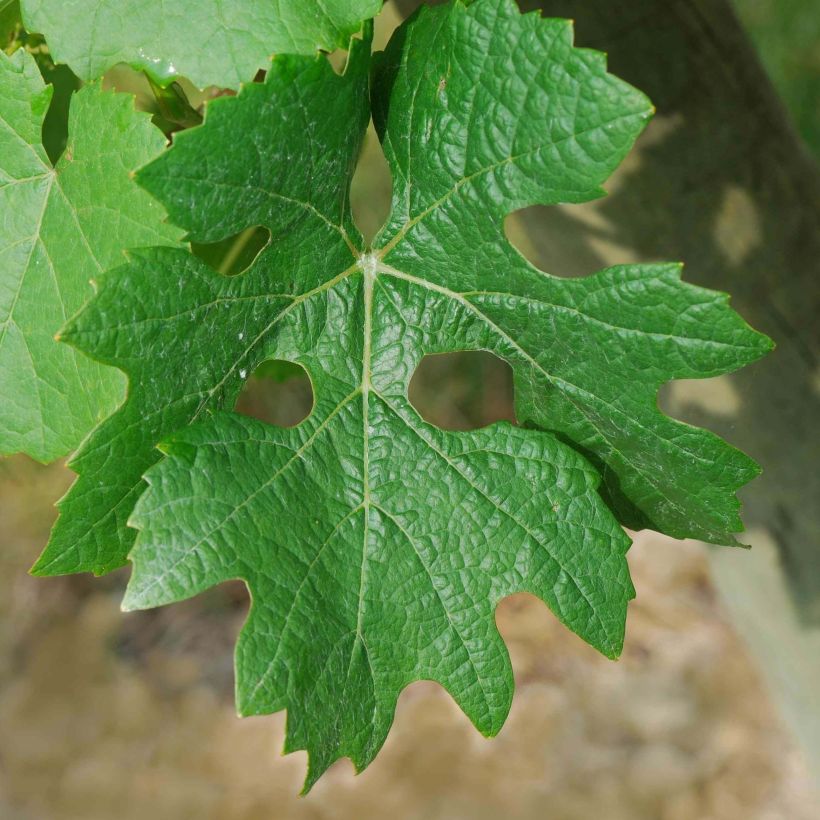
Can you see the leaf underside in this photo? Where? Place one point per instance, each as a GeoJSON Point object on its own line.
{"type": "Point", "coordinates": [211, 42]}
{"type": "Point", "coordinates": [61, 226]}
{"type": "Point", "coordinates": [376, 546]}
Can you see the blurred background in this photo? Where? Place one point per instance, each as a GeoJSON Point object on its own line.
{"type": "Point", "coordinates": [712, 713]}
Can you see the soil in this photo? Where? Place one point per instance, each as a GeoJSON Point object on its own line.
{"type": "Point", "coordinates": [108, 715]}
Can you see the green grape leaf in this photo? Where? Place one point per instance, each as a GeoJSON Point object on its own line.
{"type": "Point", "coordinates": [62, 225]}
{"type": "Point", "coordinates": [160, 311]}
{"type": "Point", "coordinates": [376, 546]}
{"type": "Point", "coordinates": [211, 42]}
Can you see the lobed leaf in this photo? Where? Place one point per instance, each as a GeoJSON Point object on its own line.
{"type": "Point", "coordinates": [375, 545]}
{"type": "Point", "coordinates": [490, 129]}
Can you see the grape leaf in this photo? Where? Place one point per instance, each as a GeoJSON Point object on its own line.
{"type": "Point", "coordinates": [211, 42]}
{"type": "Point", "coordinates": [376, 546]}
{"type": "Point", "coordinates": [62, 225]}
{"type": "Point", "coordinates": [161, 309]}
{"type": "Point", "coordinates": [588, 355]}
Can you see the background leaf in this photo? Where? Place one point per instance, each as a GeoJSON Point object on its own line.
{"type": "Point", "coordinates": [211, 42]}
{"type": "Point", "coordinates": [62, 225]}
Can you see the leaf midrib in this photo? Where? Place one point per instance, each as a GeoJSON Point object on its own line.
{"type": "Point", "coordinates": [365, 388]}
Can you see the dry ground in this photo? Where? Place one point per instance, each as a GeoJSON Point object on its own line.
{"type": "Point", "coordinates": [108, 715]}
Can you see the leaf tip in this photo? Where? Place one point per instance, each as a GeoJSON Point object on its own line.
{"type": "Point", "coordinates": [37, 569]}
{"type": "Point", "coordinates": [128, 605]}
{"type": "Point", "coordinates": [613, 651]}
{"type": "Point", "coordinates": [766, 344]}
{"type": "Point", "coordinates": [66, 334]}
{"type": "Point", "coordinates": [132, 600]}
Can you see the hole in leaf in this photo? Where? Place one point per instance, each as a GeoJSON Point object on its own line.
{"type": "Point", "coordinates": [234, 254]}
{"type": "Point", "coordinates": [700, 401]}
{"type": "Point", "coordinates": [64, 82]}
{"type": "Point", "coordinates": [371, 188]}
{"type": "Point", "coordinates": [55, 124]}
{"type": "Point", "coordinates": [563, 241]}
{"type": "Point", "coordinates": [338, 60]}
{"type": "Point", "coordinates": [464, 390]}
{"type": "Point", "coordinates": [174, 108]}
{"type": "Point", "coordinates": [278, 393]}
